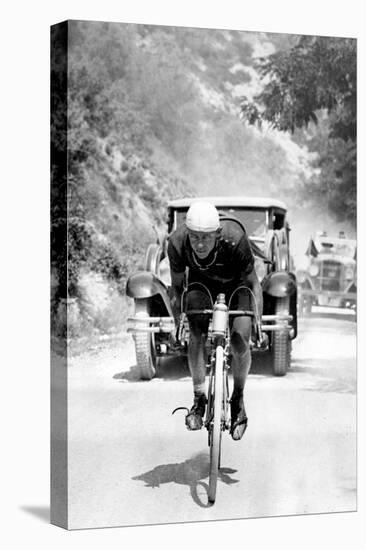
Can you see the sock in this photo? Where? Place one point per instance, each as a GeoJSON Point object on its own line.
{"type": "Point", "coordinates": [238, 390]}
{"type": "Point", "coordinates": [199, 389]}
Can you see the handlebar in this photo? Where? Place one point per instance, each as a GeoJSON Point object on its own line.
{"type": "Point", "coordinates": [233, 313]}
{"type": "Point", "coordinates": [261, 340]}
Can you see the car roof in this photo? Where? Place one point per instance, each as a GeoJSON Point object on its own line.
{"type": "Point", "coordinates": [252, 202]}
{"type": "Point", "coordinates": [335, 240]}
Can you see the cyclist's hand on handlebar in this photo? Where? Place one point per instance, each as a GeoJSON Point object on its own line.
{"type": "Point", "coordinates": [263, 341]}
{"type": "Point", "coordinates": [174, 338]}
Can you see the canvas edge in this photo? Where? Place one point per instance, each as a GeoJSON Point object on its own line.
{"type": "Point", "coordinates": [58, 267]}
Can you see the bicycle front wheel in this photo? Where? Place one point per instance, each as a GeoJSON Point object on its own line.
{"type": "Point", "coordinates": [215, 435]}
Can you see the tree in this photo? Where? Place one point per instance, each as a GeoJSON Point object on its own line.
{"type": "Point", "coordinates": [317, 75]}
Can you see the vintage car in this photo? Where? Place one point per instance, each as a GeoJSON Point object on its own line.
{"type": "Point", "coordinates": [267, 227]}
{"type": "Point", "coordinates": [328, 277]}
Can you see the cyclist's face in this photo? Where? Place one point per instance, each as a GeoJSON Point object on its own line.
{"type": "Point", "coordinates": [202, 243]}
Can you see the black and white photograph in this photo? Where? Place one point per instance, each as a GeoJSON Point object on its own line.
{"type": "Point", "coordinates": [203, 275]}
{"type": "Point", "coordinates": [182, 254]}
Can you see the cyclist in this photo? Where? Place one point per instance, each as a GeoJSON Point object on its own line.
{"type": "Point", "coordinates": [217, 255]}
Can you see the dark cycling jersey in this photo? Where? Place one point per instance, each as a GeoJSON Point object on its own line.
{"type": "Point", "coordinates": [225, 267]}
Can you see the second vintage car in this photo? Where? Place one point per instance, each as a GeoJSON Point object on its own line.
{"type": "Point", "coordinates": [328, 276]}
{"type": "Point", "coordinates": [265, 222]}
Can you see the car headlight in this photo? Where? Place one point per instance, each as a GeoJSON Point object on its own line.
{"type": "Point", "coordinates": [349, 273]}
{"type": "Point", "coordinates": [283, 263]}
{"type": "Point", "coordinates": [314, 270]}
{"type": "Point", "coordinates": [260, 268]}
{"type": "Point", "coordinates": [301, 277]}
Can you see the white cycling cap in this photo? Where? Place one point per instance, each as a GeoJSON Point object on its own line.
{"type": "Point", "coordinates": [202, 216]}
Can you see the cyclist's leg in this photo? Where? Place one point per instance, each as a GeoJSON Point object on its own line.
{"type": "Point", "coordinates": [198, 328]}
{"type": "Point", "coordinates": [241, 328]}
{"type": "Point", "coordinates": [240, 344]}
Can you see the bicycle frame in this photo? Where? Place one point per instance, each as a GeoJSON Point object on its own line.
{"type": "Point", "coordinates": [217, 417]}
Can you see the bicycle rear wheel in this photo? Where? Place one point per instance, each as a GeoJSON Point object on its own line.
{"type": "Point", "coordinates": [215, 428]}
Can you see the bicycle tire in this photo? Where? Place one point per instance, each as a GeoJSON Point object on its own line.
{"type": "Point", "coordinates": [216, 431]}
{"type": "Point", "coordinates": [225, 401]}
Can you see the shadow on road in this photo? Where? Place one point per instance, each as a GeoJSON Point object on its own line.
{"type": "Point", "coordinates": [168, 368]}
{"type": "Point", "coordinates": [325, 375]}
{"type": "Point", "coordinates": [132, 375]}
{"type": "Point", "coordinates": [176, 368]}
{"type": "Point", "coordinates": [173, 368]}
{"type": "Point", "coordinates": [191, 473]}
{"type": "Point", "coordinates": [261, 364]}
{"type": "Point", "coordinates": [318, 367]}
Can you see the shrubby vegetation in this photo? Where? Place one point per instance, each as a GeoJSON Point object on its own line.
{"type": "Point", "coordinates": [315, 79]}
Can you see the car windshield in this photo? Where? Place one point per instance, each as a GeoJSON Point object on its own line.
{"type": "Point", "coordinates": [339, 246]}
{"type": "Point", "coordinates": [254, 220]}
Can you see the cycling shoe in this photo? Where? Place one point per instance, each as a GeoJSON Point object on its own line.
{"type": "Point", "coordinates": [194, 419]}
{"type": "Point", "coordinates": [239, 419]}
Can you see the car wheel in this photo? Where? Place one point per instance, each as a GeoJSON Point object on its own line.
{"type": "Point", "coordinates": [281, 343]}
{"type": "Point", "coordinates": [145, 344]}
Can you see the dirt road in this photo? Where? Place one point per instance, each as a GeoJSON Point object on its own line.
{"type": "Point", "coordinates": [132, 462]}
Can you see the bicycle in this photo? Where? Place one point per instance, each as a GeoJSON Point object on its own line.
{"type": "Point", "coordinates": [217, 417]}
{"type": "Point", "coordinates": [219, 354]}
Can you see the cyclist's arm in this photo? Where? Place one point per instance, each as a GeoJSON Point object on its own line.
{"type": "Point", "coordinates": [244, 257]}
{"type": "Point", "coordinates": [177, 271]}
{"type": "Point", "coordinates": [256, 289]}
{"type": "Point", "coordinates": [177, 289]}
